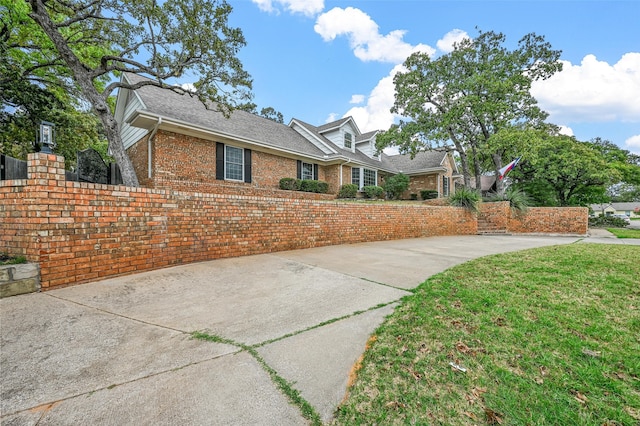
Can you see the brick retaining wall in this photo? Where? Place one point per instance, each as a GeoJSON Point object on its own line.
{"type": "Point", "coordinates": [81, 232]}
{"type": "Point", "coordinates": [537, 220]}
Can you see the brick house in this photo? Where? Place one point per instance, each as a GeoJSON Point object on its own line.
{"type": "Point", "coordinates": [175, 142]}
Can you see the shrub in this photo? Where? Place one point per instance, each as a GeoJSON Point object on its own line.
{"type": "Point", "coordinates": [467, 198]}
{"type": "Point", "coordinates": [396, 185]}
{"type": "Point", "coordinates": [5, 259]}
{"type": "Point", "coordinates": [517, 198]}
{"type": "Point", "coordinates": [413, 196]}
{"type": "Point", "coordinates": [428, 194]}
{"type": "Point", "coordinates": [348, 191]}
{"type": "Point", "coordinates": [604, 221]}
{"type": "Point", "coordinates": [290, 184]}
{"type": "Point", "coordinates": [373, 191]}
{"type": "Point", "coordinates": [316, 186]}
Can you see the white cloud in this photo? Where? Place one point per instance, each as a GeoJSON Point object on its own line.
{"type": "Point", "coordinates": [356, 99]}
{"type": "Point", "coordinates": [565, 130]}
{"type": "Point", "coordinates": [445, 44]}
{"type": "Point", "coordinates": [593, 91]}
{"type": "Point", "coordinates": [376, 114]}
{"type": "Point", "coordinates": [331, 118]}
{"type": "Point", "coordinates": [364, 36]}
{"type": "Point", "coordinates": [633, 144]}
{"type": "Point", "coordinates": [305, 7]}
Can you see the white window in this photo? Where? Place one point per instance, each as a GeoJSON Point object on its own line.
{"type": "Point", "coordinates": [233, 163]}
{"type": "Point", "coordinates": [364, 177]}
{"type": "Point", "coordinates": [355, 176]}
{"type": "Point", "coordinates": [369, 177]}
{"type": "Point", "coordinates": [348, 140]}
{"type": "Point", "coordinates": [307, 171]}
{"type": "Point", "coordinates": [445, 186]}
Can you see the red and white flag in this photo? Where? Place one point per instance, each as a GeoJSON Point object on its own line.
{"type": "Point", "coordinates": [506, 169]}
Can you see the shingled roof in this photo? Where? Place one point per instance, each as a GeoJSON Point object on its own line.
{"type": "Point", "coordinates": [425, 160]}
{"type": "Point", "coordinates": [241, 124]}
{"type": "Point", "coordinates": [187, 111]}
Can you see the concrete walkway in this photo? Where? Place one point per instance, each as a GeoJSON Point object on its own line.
{"type": "Point", "coordinates": [120, 351]}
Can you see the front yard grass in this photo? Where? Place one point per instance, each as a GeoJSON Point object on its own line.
{"type": "Point", "coordinates": [625, 233]}
{"type": "Point", "coordinates": [544, 336]}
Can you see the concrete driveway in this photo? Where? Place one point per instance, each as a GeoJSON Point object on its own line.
{"type": "Point", "coordinates": [120, 351]}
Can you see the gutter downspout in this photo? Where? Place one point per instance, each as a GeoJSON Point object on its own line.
{"type": "Point", "coordinates": [348, 161]}
{"type": "Point", "coordinates": [153, 133]}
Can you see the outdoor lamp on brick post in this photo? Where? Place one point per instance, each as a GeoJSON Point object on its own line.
{"type": "Point", "coordinates": [47, 137]}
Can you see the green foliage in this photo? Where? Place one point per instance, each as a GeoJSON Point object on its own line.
{"type": "Point", "coordinates": [517, 198]}
{"type": "Point", "coordinates": [290, 184]}
{"type": "Point", "coordinates": [604, 221]}
{"type": "Point", "coordinates": [5, 259]}
{"type": "Point", "coordinates": [428, 194]}
{"type": "Point", "coordinates": [560, 171]}
{"type": "Point", "coordinates": [396, 185]}
{"type": "Point", "coordinates": [306, 185]}
{"type": "Point", "coordinates": [348, 190]}
{"type": "Point", "coordinates": [466, 197]}
{"type": "Point", "coordinates": [465, 96]}
{"type": "Point", "coordinates": [317, 186]}
{"type": "Point", "coordinates": [373, 191]}
{"type": "Point", "coordinates": [98, 40]}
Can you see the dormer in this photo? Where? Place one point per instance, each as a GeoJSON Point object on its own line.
{"type": "Point", "coordinates": [366, 143]}
{"type": "Point", "coordinates": [343, 133]}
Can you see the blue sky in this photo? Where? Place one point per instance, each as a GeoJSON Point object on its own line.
{"type": "Point", "coordinates": [320, 60]}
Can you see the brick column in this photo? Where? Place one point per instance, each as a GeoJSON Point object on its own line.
{"type": "Point", "coordinates": [47, 169]}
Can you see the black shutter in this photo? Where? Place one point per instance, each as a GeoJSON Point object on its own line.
{"type": "Point", "coordinates": [219, 161]}
{"type": "Point", "coordinates": [299, 170]}
{"type": "Point", "coordinates": [247, 165]}
{"type": "Point", "coordinates": [315, 172]}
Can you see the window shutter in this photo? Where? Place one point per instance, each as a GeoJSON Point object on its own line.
{"type": "Point", "coordinates": [299, 169]}
{"type": "Point", "coordinates": [247, 165]}
{"type": "Point", "coordinates": [315, 172]}
{"type": "Point", "coordinates": [219, 161]}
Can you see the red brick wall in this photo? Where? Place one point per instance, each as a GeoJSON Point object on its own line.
{"type": "Point", "coordinates": [421, 182]}
{"type": "Point", "coordinates": [81, 232]}
{"type": "Point", "coordinates": [537, 220]}
{"type": "Point", "coordinates": [188, 163]}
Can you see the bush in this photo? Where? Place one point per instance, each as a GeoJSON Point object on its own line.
{"type": "Point", "coordinates": [396, 185]}
{"type": "Point", "coordinates": [603, 221]}
{"type": "Point", "coordinates": [413, 196]}
{"type": "Point", "coordinates": [5, 259]}
{"type": "Point", "coordinates": [467, 198]}
{"type": "Point", "coordinates": [373, 191]}
{"type": "Point", "coordinates": [428, 194]}
{"type": "Point", "coordinates": [348, 191]}
{"type": "Point", "coordinates": [290, 184]}
{"type": "Point", "coordinates": [517, 198]}
{"type": "Point", "coordinates": [316, 186]}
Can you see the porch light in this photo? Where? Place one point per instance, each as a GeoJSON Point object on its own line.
{"type": "Point", "coordinates": [47, 137]}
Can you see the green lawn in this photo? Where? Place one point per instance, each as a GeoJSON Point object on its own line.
{"type": "Point", "coordinates": [625, 233]}
{"type": "Point", "coordinates": [548, 336]}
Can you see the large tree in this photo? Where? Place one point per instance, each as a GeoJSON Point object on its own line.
{"type": "Point", "coordinates": [91, 41]}
{"type": "Point", "coordinates": [25, 102]}
{"type": "Point", "coordinates": [459, 100]}
{"type": "Point", "coordinates": [557, 170]}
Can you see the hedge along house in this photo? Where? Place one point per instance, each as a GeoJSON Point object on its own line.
{"type": "Point", "coordinates": [176, 143]}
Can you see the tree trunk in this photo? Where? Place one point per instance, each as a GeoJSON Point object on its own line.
{"type": "Point", "coordinates": [84, 80]}
{"type": "Point", "coordinates": [497, 162]}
